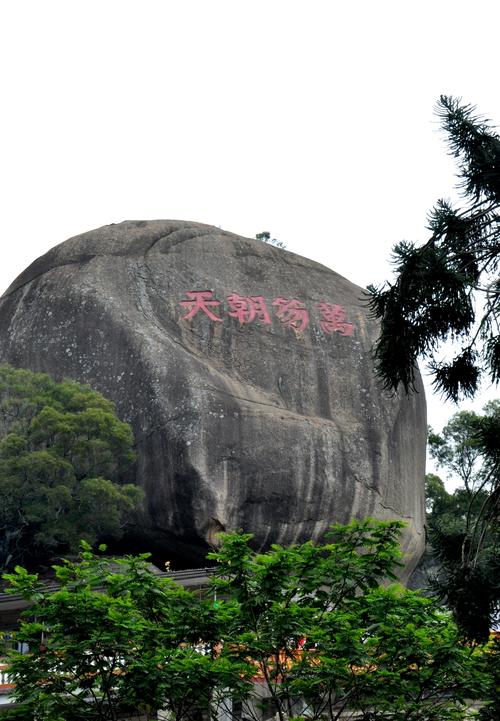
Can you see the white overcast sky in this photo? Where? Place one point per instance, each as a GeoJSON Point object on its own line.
{"type": "Point", "coordinates": [310, 119]}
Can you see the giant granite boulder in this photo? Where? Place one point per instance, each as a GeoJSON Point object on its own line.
{"type": "Point", "coordinates": [245, 371]}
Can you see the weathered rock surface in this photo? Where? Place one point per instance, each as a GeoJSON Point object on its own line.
{"type": "Point", "coordinates": [269, 419]}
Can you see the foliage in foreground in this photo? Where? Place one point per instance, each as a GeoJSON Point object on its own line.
{"type": "Point", "coordinates": [318, 626]}
{"type": "Point", "coordinates": [116, 639]}
{"type": "Point", "coordinates": [63, 457]}
{"type": "Point", "coordinates": [448, 288]}
{"type": "Point", "coordinates": [310, 624]}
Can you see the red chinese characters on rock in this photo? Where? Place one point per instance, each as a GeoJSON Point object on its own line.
{"type": "Point", "coordinates": [291, 312]}
{"type": "Point", "coordinates": [200, 300]}
{"type": "Point", "coordinates": [248, 308]}
{"type": "Point", "coordinates": [334, 319]}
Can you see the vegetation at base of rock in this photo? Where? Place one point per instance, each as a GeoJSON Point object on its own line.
{"type": "Point", "coordinates": [317, 624]}
{"type": "Point", "coordinates": [464, 526]}
{"type": "Point", "coordinates": [311, 622]}
{"type": "Point", "coordinates": [63, 458]}
{"type": "Point", "coordinates": [434, 297]}
{"type": "Point", "coordinates": [115, 640]}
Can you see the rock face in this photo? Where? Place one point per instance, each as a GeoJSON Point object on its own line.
{"type": "Point", "coordinates": [245, 371]}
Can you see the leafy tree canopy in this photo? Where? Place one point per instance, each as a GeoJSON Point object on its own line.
{"type": "Point", "coordinates": [327, 639]}
{"type": "Point", "coordinates": [437, 497]}
{"type": "Point", "coordinates": [448, 289]}
{"type": "Point", "coordinates": [115, 641]}
{"type": "Point", "coordinates": [310, 624]}
{"type": "Point", "coordinates": [63, 457]}
{"type": "Point", "coordinates": [464, 526]}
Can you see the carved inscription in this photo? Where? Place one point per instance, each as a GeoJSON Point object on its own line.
{"type": "Point", "coordinates": [290, 312]}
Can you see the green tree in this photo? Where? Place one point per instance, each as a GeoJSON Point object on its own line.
{"type": "Point", "coordinates": [437, 498]}
{"type": "Point", "coordinates": [116, 640]}
{"type": "Point", "coordinates": [311, 623]}
{"type": "Point", "coordinates": [489, 712]}
{"type": "Point", "coordinates": [464, 526]}
{"type": "Point", "coordinates": [435, 294]}
{"type": "Point", "coordinates": [63, 458]}
{"type": "Point", "coordinates": [448, 290]}
{"type": "Point", "coordinates": [326, 638]}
